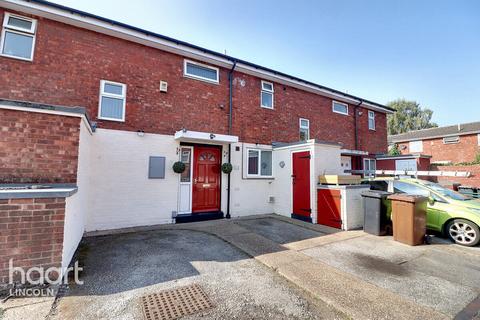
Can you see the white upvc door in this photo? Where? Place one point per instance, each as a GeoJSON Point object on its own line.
{"type": "Point", "coordinates": [185, 194]}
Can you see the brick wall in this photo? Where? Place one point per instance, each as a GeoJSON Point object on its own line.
{"type": "Point", "coordinates": [37, 147]}
{"type": "Point", "coordinates": [31, 233]}
{"type": "Point", "coordinates": [464, 151]}
{"type": "Point", "coordinates": [60, 75]}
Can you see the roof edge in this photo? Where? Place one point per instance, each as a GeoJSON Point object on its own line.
{"type": "Point", "coordinates": [224, 59]}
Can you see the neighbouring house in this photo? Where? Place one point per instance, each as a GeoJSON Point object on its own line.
{"type": "Point", "coordinates": [449, 148]}
{"type": "Point", "coordinates": [99, 111]}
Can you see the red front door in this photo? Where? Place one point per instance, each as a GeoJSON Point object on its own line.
{"type": "Point", "coordinates": [301, 185]}
{"type": "Point", "coordinates": [206, 179]}
{"type": "Point", "coordinates": [329, 208]}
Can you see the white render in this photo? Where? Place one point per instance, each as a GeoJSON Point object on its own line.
{"type": "Point", "coordinates": [77, 205]}
{"type": "Point", "coordinates": [121, 195]}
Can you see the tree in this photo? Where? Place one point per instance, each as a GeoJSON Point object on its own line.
{"type": "Point", "coordinates": [409, 116]}
{"type": "Point", "coordinates": [394, 150]}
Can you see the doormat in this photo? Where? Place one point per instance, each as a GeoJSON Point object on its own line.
{"type": "Point", "coordinates": [175, 303]}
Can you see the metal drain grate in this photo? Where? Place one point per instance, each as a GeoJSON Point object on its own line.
{"type": "Point", "coordinates": [175, 303]}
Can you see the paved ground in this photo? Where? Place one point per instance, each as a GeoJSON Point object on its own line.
{"type": "Point", "coordinates": [266, 267]}
{"type": "Point", "coordinates": [121, 268]}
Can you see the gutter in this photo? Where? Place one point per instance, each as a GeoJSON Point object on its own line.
{"type": "Point", "coordinates": [230, 116]}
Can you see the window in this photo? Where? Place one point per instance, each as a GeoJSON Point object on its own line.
{"type": "Point", "coordinates": [371, 120]}
{"type": "Point", "coordinates": [200, 71]}
{"type": "Point", "coordinates": [112, 101]}
{"type": "Point", "coordinates": [339, 107]}
{"type": "Point", "coordinates": [259, 163]}
{"type": "Point", "coordinates": [416, 146]}
{"type": "Point", "coordinates": [449, 140]}
{"type": "Point", "coordinates": [18, 37]}
{"type": "Point", "coordinates": [304, 129]}
{"type": "Point", "coordinates": [370, 165]}
{"type": "Point", "coordinates": [267, 95]}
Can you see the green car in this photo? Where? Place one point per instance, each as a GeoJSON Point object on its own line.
{"type": "Point", "coordinates": [449, 212]}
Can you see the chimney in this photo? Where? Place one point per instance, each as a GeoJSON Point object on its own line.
{"type": "Point", "coordinates": [459, 127]}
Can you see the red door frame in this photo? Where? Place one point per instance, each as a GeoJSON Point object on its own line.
{"type": "Point", "coordinates": [199, 194]}
{"type": "Point", "coordinates": [301, 184]}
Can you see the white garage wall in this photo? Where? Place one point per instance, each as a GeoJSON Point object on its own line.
{"type": "Point", "coordinates": [76, 206]}
{"type": "Point", "coordinates": [121, 195]}
{"type": "Point", "coordinates": [249, 196]}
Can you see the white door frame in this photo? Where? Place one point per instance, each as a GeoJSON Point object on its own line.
{"type": "Point", "coordinates": [180, 183]}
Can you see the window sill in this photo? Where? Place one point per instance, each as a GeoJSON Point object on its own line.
{"type": "Point", "coordinates": [201, 79]}
{"type": "Point", "coordinates": [258, 178]}
{"type": "Point", "coordinates": [268, 108]}
{"type": "Point", "coordinates": [343, 114]}
{"type": "Point", "coordinates": [111, 119]}
{"type": "Point", "coordinates": [16, 58]}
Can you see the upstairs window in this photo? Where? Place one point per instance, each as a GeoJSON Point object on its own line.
{"type": "Point", "coordinates": [371, 120]}
{"type": "Point", "coordinates": [339, 107]}
{"type": "Point", "coordinates": [304, 129]}
{"type": "Point", "coordinates": [259, 163]}
{"type": "Point", "coordinates": [450, 140]}
{"type": "Point", "coordinates": [200, 71]}
{"type": "Point", "coordinates": [267, 95]}
{"type": "Point", "coordinates": [18, 37]}
{"type": "Point", "coordinates": [415, 146]}
{"type": "Point", "coordinates": [112, 101]}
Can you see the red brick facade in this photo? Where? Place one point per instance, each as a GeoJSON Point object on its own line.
{"type": "Point", "coordinates": [463, 151]}
{"type": "Point", "coordinates": [37, 147]}
{"type": "Point", "coordinates": [69, 63]}
{"type": "Point", "coordinates": [31, 233]}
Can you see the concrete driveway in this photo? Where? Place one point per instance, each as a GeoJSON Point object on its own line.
{"type": "Point", "coordinates": [119, 269]}
{"type": "Point", "coordinates": [271, 267]}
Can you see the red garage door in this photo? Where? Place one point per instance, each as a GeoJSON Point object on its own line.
{"type": "Point", "coordinates": [329, 208]}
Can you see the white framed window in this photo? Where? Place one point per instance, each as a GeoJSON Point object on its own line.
{"type": "Point", "coordinates": [415, 146]}
{"type": "Point", "coordinates": [451, 140]}
{"type": "Point", "coordinates": [371, 120]}
{"type": "Point", "coordinates": [200, 71]}
{"type": "Point", "coordinates": [369, 164]}
{"type": "Point", "coordinates": [259, 163]}
{"type": "Point", "coordinates": [113, 96]}
{"type": "Point", "coordinates": [266, 95]}
{"type": "Point", "coordinates": [304, 129]}
{"type": "Point", "coordinates": [339, 107]}
{"type": "Point", "coordinates": [18, 37]}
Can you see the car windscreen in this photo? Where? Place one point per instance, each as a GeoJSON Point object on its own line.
{"type": "Point", "coordinates": [447, 192]}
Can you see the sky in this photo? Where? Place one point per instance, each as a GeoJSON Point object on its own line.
{"type": "Point", "coordinates": [427, 51]}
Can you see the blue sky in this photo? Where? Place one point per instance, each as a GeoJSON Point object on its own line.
{"type": "Point", "coordinates": [428, 50]}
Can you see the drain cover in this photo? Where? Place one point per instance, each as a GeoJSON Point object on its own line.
{"type": "Point", "coordinates": [175, 303]}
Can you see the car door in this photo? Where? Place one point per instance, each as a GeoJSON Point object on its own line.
{"type": "Point", "coordinates": [434, 210]}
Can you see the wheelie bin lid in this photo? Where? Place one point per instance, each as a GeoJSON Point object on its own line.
{"type": "Point", "coordinates": [377, 194]}
{"type": "Point", "coordinates": [407, 197]}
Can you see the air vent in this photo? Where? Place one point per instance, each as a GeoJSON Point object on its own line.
{"type": "Point", "coordinates": [271, 199]}
{"type": "Point", "coordinates": [163, 86]}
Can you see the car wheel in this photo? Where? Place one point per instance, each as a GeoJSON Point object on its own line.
{"type": "Point", "coordinates": [463, 232]}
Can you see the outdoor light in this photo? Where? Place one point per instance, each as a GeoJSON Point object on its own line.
{"type": "Point", "coordinates": [140, 133]}
{"type": "Point", "coordinates": [212, 136]}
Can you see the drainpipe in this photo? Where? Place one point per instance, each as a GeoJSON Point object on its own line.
{"type": "Point", "coordinates": [356, 128]}
{"type": "Point", "coordinates": [230, 115]}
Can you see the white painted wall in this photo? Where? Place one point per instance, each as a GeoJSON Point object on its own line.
{"type": "Point", "coordinates": [121, 195]}
{"type": "Point", "coordinates": [76, 206]}
{"type": "Point", "coordinates": [249, 196]}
